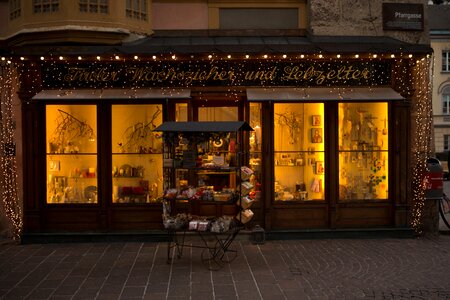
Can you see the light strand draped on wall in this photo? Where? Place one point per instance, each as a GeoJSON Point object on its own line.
{"type": "Point", "coordinates": [421, 140]}
{"type": "Point", "coordinates": [8, 162]}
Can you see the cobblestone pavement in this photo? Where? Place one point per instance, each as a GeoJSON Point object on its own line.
{"type": "Point", "coordinates": [291, 269]}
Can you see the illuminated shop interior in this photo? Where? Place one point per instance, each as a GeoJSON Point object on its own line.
{"type": "Point", "coordinates": [363, 151]}
{"type": "Point", "coordinates": [299, 158]}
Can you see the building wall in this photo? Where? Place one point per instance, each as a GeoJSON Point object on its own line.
{"type": "Point", "coordinates": [202, 14]}
{"type": "Point", "coordinates": [358, 18]}
{"type": "Point", "coordinates": [440, 79]}
{"type": "Point", "coordinates": [177, 16]}
{"type": "Point", "coordinates": [69, 18]}
{"type": "Point", "coordinates": [3, 18]}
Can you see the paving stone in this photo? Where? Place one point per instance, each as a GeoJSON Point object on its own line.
{"type": "Point", "coordinates": [133, 292]}
{"type": "Point", "coordinates": [293, 269]}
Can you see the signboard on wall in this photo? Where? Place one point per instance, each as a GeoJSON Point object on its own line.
{"type": "Point", "coordinates": [211, 73]}
{"type": "Point", "coordinates": [402, 16]}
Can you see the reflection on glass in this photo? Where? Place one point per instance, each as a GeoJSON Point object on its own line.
{"type": "Point", "coordinates": [136, 157]}
{"type": "Point", "coordinates": [363, 155]}
{"type": "Point", "coordinates": [71, 132]}
{"type": "Point", "coordinates": [299, 152]}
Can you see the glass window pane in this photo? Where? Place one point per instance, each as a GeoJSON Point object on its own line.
{"type": "Point", "coordinates": [181, 112]}
{"type": "Point", "coordinates": [227, 113]}
{"type": "Point", "coordinates": [445, 102]}
{"type": "Point", "coordinates": [445, 61]}
{"type": "Point", "coordinates": [363, 156]}
{"type": "Point", "coordinates": [299, 152]}
{"type": "Point", "coordinates": [71, 154]}
{"type": "Point", "coordinates": [446, 142]}
{"type": "Point", "coordinates": [136, 158]}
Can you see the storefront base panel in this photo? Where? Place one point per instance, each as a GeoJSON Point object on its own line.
{"type": "Point", "coordinates": [138, 218]}
{"type": "Point", "coordinates": [299, 218]}
{"type": "Point", "coordinates": [73, 220]}
{"type": "Point", "coordinates": [94, 237]}
{"type": "Point", "coordinates": [213, 209]}
{"type": "Point", "coordinates": [354, 233]}
{"type": "Point", "coordinates": [363, 216]}
{"type": "Point", "coordinates": [244, 235]}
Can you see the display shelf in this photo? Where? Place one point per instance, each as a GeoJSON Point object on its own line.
{"type": "Point", "coordinates": [202, 165]}
{"type": "Point", "coordinates": [136, 153]}
{"type": "Point", "coordinates": [70, 154]}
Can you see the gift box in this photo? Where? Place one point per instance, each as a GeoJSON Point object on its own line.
{"type": "Point", "coordinates": [193, 225]}
{"type": "Point", "coordinates": [245, 202]}
{"type": "Point", "coordinates": [127, 190]}
{"type": "Point", "coordinates": [246, 172]}
{"type": "Point", "coordinates": [246, 187]}
{"type": "Point", "coordinates": [244, 216]}
{"type": "Point", "coordinates": [138, 190]}
{"type": "Point", "coordinates": [203, 226]}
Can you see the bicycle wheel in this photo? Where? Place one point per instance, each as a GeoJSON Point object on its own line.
{"type": "Point", "coordinates": [444, 210]}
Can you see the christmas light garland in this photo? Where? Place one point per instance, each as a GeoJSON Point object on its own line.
{"type": "Point", "coordinates": [8, 163]}
{"type": "Point", "coordinates": [422, 108]}
{"type": "Point", "coordinates": [413, 80]}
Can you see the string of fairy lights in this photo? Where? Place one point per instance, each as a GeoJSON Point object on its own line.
{"type": "Point", "coordinates": [8, 163]}
{"type": "Point", "coordinates": [422, 106]}
{"type": "Point", "coordinates": [417, 87]}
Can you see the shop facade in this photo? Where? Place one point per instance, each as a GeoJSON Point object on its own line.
{"type": "Point", "coordinates": [331, 146]}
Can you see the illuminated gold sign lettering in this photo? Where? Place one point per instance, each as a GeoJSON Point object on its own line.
{"type": "Point", "coordinates": [218, 73]}
{"type": "Point", "coordinates": [89, 75]}
{"type": "Point", "coordinates": [319, 76]}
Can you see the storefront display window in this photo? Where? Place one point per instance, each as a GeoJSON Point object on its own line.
{"type": "Point", "coordinates": [255, 141]}
{"type": "Point", "coordinates": [363, 151]}
{"type": "Point", "coordinates": [299, 159]}
{"type": "Point", "coordinates": [71, 154]}
{"type": "Point", "coordinates": [136, 154]}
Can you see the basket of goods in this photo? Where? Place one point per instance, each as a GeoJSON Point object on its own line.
{"type": "Point", "coordinates": [175, 222]}
{"type": "Point", "coordinates": [221, 224]}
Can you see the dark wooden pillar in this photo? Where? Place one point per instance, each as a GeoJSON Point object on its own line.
{"type": "Point", "coordinates": [400, 162]}
{"type": "Point", "coordinates": [29, 85]}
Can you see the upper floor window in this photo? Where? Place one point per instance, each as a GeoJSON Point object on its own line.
{"type": "Point", "coordinates": [446, 142]}
{"type": "Point", "coordinates": [94, 6]}
{"type": "Point", "coordinates": [137, 9]}
{"type": "Point", "coordinates": [446, 100]}
{"type": "Point", "coordinates": [446, 61]}
{"type": "Point", "coordinates": [14, 9]}
{"type": "Point", "coordinates": [45, 6]}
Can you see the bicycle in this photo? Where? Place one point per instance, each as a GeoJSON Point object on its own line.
{"type": "Point", "coordinates": [444, 210]}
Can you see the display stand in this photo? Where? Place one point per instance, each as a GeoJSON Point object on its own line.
{"type": "Point", "coordinates": [203, 182]}
{"type": "Point", "coordinates": [216, 247]}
